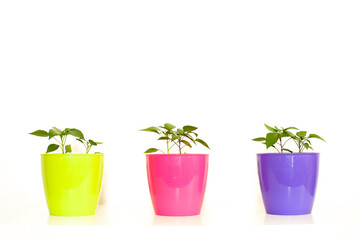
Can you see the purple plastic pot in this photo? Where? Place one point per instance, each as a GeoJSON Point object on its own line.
{"type": "Point", "coordinates": [288, 182]}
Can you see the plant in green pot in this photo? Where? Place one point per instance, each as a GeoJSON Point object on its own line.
{"type": "Point", "coordinates": [177, 181]}
{"type": "Point", "coordinates": [288, 179]}
{"type": "Point", "coordinates": [71, 181]}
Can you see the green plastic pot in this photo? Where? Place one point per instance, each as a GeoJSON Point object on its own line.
{"type": "Point", "coordinates": [72, 183]}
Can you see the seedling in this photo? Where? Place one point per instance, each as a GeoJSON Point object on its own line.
{"type": "Point", "coordinates": [61, 137]}
{"type": "Point", "coordinates": [175, 137]}
{"type": "Point", "coordinates": [276, 136]}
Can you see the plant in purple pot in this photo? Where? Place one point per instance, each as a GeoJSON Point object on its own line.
{"type": "Point", "coordinates": [177, 181]}
{"type": "Point", "coordinates": [288, 179]}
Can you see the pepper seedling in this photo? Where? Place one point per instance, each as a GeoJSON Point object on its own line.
{"type": "Point", "coordinates": [276, 135]}
{"type": "Point", "coordinates": [61, 136]}
{"type": "Point", "coordinates": [175, 137]}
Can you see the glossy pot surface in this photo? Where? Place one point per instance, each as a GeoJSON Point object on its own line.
{"type": "Point", "coordinates": [72, 183]}
{"type": "Point", "coordinates": [288, 182]}
{"type": "Point", "coordinates": [177, 183]}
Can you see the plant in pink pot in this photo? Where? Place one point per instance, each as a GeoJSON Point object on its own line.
{"type": "Point", "coordinates": [177, 181]}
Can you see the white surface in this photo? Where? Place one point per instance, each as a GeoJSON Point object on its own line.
{"type": "Point", "coordinates": [112, 67]}
{"type": "Point", "coordinates": [134, 222]}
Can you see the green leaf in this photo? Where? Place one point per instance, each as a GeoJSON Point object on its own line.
{"type": "Point", "coordinates": [287, 150]}
{"type": "Point", "coordinates": [164, 138]}
{"type": "Point", "coordinates": [271, 139]}
{"type": "Point", "coordinates": [92, 142]}
{"type": "Point", "coordinates": [284, 134]}
{"type": "Point", "coordinates": [53, 133]}
{"type": "Point", "coordinates": [99, 143]}
{"type": "Point", "coordinates": [277, 129]}
{"type": "Point", "coordinates": [152, 150]}
{"type": "Point", "coordinates": [290, 134]}
{"type": "Point", "coordinates": [189, 137]}
{"type": "Point", "coordinates": [76, 133]}
{"type": "Point", "coordinates": [151, 129]}
{"type": "Point", "coordinates": [186, 143]}
{"type": "Point", "coordinates": [40, 133]}
{"type": "Point", "coordinates": [80, 140]}
{"type": "Point", "coordinates": [180, 131]}
{"type": "Point", "coordinates": [301, 134]}
{"type": "Point", "coordinates": [52, 148]}
{"type": "Point", "coordinates": [175, 137]}
{"type": "Point", "coordinates": [312, 135]}
{"type": "Point", "coordinates": [195, 134]}
{"type": "Point", "coordinates": [169, 126]}
{"type": "Point", "coordinates": [188, 128]}
{"type": "Point", "coordinates": [68, 148]}
{"type": "Point", "coordinates": [260, 139]}
{"type": "Point", "coordinates": [307, 146]}
{"type": "Point", "coordinates": [202, 142]}
{"type": "Point", "coordinates": [65, 132]}
{"type": "Point", "coordinates": [291, 128]}
{"type": "Point", "coordinates": [270, 128]}
{"type": "Point", "coordinates": [57, 130]}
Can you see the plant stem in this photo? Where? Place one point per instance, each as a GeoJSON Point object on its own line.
{"type": "Point", "coordinates": [276, 149]}
{"type": "Point", "coordinates": [85, 145]}
{"type": "Point", "coordinates": [302, 146]}
{"type": "Point", "coordinates": [88, 147]}
{"type": "Point", "coordinates": [167, 146]}
{"type": "Point", "coordinates": [286, 141]}
{"type": "Point", "coordinates": [296, 142]}
{"type": "Point", "coordinates": [172, 146]}
{"type": "Point", "coordinates": [57, 141]}
{"type": "Point", "coordinates": [62, 144]}
{"type": "Point", "coordinates": [65, 137]}
{"type": "Point", "coordinates": [281, 145]}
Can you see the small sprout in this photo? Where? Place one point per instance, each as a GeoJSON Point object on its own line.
{"type": "Point", "coordinates": [276, 135]}
{"type": "Point", "coordinates": [61, 137]}
{"type": "Point", "coordinates": [88, 144]}
{"type": "Point", "coordinates": [179, 137]}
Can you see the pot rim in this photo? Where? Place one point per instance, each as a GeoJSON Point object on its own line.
{"type": "Point", "coordinates": [176, 154]}
{"type": "Point", "coordinates": [72, 154]}
{"type": "Point", "coordinates": [295, 153]}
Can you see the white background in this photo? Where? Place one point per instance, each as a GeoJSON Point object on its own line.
{"type": "Point", "coordinates": [111, 68]}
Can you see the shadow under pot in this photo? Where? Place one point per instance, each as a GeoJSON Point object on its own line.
{"type": "Point", "coordinates": [288, 182]}
{"type": "Point", "coordinates": [72, 183]}
{"type": "Point", "coordinates": [177, 183]}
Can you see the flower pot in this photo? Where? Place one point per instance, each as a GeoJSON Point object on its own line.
{"type": "Point", "coordinates": [72, 183]}
{"type": "Point", "coordinates": [177, 183]}
{"type": "Point", "coordinates": [288, 182]}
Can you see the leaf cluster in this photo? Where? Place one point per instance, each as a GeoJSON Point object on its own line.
{"type": "Point", "coordinates": [61, 136]}
{"type": "Point", "coordinates": [173, 136]}
{"type": "Point", "coordinates": [279, 136]}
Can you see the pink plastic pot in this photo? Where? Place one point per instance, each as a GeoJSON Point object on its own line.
{"type": "Point", "coordinates": [177, 183]}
